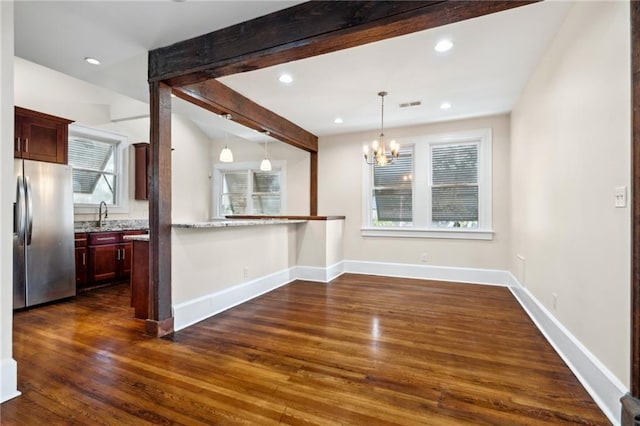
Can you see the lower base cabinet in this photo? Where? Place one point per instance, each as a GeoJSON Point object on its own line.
{"type": "Point", "coordinates": [140, 279]}
{"type": "Point", "coordinates": [106, 259]}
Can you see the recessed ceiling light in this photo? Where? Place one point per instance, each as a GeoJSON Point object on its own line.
{"type": "Point", "coordinates": [443, 45]}
{"type": "Point", "coordinates": [338, 120]}
{"type": "Point", "coordinates": [92, 61]}
{"type": "Point", "coordinates": [285, 78]}
{"type": "Point", "coordinates": [445, 105]}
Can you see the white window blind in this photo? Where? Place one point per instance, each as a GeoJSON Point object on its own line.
{"type": "Point", "coordinates": [250, 192]}
{"type": "Point", "coordinates": [454, 185]}
{"type": "Point", "coordinates": [393, 192]}
{"type": "Point", "coordinates": [266, 193]}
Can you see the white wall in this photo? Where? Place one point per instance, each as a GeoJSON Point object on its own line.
{"type": "Point", "coordinates": [8, 372]}
{"type": "Point", "coordinates": [570, 149]}
{"type": "Point", "coordinates": [190, 193]}
{"type": "Point", "coordinates": [207, 261]}
{"type": "Point", "coordinates": [296, 159]}
{"type": "Point", "coordinates": [340, 193]}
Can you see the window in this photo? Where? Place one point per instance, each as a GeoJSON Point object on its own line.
{"type": "Point", "coordinates": [242, 188]}
{"type": "Point", "coordinates": [96, 158]}
{"type": "Point", "coordinates": [454, 185]}
{"type": "Point", "coordinates": [439, 187]}
{"type": "Point", "coordinates": [392, 192]}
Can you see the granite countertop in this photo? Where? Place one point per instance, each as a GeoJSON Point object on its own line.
{"type": "Point", "coordinates": [111, 225]}
{"type": "Point", "coordinates": [144, 237]}
{"type": "Point", "coordinates": [227, 223]}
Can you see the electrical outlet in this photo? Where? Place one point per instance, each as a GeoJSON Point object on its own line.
{"type": "Point", "coordinates": [423, 258]}
{"type": "Point", "coordinates": [245, 273]}
{"type": "Point", "coordinates": [554, 300]}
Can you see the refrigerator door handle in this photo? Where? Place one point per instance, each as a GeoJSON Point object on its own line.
{"type": "Point", "coordinates": [20, 213]}
{"type": "Point", "coordinates": [29, 203]}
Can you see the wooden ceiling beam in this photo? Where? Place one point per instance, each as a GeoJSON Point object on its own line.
{"type": "Point", "coordinates": [305, 30]}
{"type": "Point", "coordinates": [220, 99]}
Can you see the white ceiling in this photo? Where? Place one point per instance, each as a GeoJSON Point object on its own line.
{"type": "Point", "coordinates": [483, 74]}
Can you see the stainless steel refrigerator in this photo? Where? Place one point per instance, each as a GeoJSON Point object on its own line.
{"type": "Point", "coordinates": [43, 242]}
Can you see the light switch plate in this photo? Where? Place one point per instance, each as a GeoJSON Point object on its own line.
{"type": "Point", "coordinates": [621, 196]}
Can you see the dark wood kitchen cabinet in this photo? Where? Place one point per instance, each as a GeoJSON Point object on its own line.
{"type": "Point", "coordinates": [109, 256]}
{"type": "Point", "coordinates": [81, 260]}
{"type": "Point", "coordinates": [142, 167]}
{"type": "Point", "coordinates": [140, 279]}
{"type": "Point", "coordinates": [41, 137]}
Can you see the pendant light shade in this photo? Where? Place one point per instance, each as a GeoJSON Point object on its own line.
{"type": "Point", "coordinates": [226, 156]}
{"type": "Point", "coordinates": [265, 165]}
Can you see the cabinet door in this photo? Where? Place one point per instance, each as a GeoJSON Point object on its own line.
{"type": "Point", "coordinates": [81, 267]}
{"type": "Point", "coordinates": [41, 137]}
{"type": "Point", "coordinates": [142, 164]}
{"type": "Point", "coordinates": [43, 140]}
{"type": "Point", "coordinates": [125, 256]}
{"type": "Point", "coordinates": [104, 262]}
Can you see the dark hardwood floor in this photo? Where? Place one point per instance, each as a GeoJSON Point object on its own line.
{"type": "Point", "coordinates": [362, 350]}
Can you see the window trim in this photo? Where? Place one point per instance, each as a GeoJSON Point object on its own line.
{"type": "Point", "coordinates": [422, 189]}
{"type": "Point", "coordinates": [219, 168]}
{"type": "Point", "coordinates": [122, 161]}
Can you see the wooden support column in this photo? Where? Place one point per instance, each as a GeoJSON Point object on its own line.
{"type": "Point", "coordinates": [160, 321]}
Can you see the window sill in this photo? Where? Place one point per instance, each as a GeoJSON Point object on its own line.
{"type": "Point", "coordinates": [458, 234]}
{"type": "Point", "coordinates": [93, 209]}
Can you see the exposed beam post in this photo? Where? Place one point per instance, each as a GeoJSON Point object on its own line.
{"type": "Point", "coordinates": [160, 321]}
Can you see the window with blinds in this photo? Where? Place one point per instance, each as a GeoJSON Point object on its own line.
{"type": "Point", "coordinates": [94, 165]}
{"type": "Point", "coordinates": [392, 203]}
{"type": "Point", "coordinates": [440, 187]}
{"type": "Point", "coordinates": [454, 185]}
{"type": "Point", "coordinates": [250, 192]}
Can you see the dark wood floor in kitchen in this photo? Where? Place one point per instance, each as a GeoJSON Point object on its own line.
{"type": "Point", "coordinates": [363, 350]}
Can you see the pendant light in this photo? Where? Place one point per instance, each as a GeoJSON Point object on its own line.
{"type": "Point", "coordinates": [226, 156]}
{"type": "Point", "coordinates": [265, 165]}
{"type": "Point", "coordinates": [380, 155]}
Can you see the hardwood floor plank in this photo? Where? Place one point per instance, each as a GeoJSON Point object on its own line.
{"type": "Point", "coordinates": [361, 350]}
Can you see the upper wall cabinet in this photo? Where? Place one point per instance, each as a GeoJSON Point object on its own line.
{"type": "Point", "coordinates": [40, 137]}
{"type": "Point", "coordinates": [142, 166]}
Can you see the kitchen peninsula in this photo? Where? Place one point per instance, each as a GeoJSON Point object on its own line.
{"type": "Point", "coordinates": [221, 263]}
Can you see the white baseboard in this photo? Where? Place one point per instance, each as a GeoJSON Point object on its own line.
{"type": "Point", "coordinates": [602, 385]}
{"type": "Point", "coordinates": [322, 275]}
{"type": "Point", "coordinates": [196, 310]}
{"type": "Point", "coordinates": [8, 379]}
{"type": "Point", "coordinates": [605, 388]}
{"type": "Point", "coordinates": [428, 272]}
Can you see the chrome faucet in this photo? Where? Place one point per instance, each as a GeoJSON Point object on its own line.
{"type": "Point", "coordinates": [106, 212]}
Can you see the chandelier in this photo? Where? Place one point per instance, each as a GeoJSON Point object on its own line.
{"type": "Point", "coordinates": [379, 154]}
